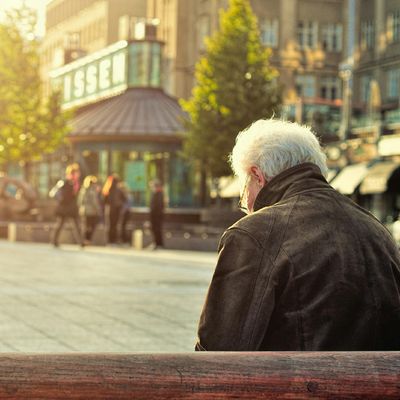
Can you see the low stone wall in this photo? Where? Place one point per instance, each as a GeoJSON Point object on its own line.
{"type": "Point", "coordinates": [178, 240]}
{"type": "Point", "coordinates": [43, 233]}
{"type": "Point", "coordinates": [186, 238]}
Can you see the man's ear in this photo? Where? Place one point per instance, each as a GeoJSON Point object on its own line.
{"type": "Point", "coordinates": [258, 174]}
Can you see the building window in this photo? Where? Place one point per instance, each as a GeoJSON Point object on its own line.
{"type": "Point", "coordinates": [203, 31]}
{"type": "Point", "coordinates": [393, 26]}
{"type": "Point", "coordinates": [145, 64]}
{"type": "Point", "coordinates": [393, 83]}
{"type": "Point", "coordinates": [330, 88]}
{"type": "Point", "coordinates": [367, 35]}
{"type": "Point", "coordinates": [332, 37]}
{"type": "Point", "coordinates": [305, 85]}
{"type": "Point", "coordinates": [72, 40]}
{"type": "Point", "coordinates": [307, 33]}
{"type": "Point", "coordinates": [269, 32]}
{"type": "Point", "coordinates": [365, 85]}
{"type": "Point", "coordinates": [155, 69]}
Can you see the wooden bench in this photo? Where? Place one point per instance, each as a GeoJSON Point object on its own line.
{"type": "Point", "coordinates": [300, 375]}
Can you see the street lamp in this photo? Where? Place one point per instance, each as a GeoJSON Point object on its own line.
{"type": "Point", "coordinates": [346, 74]}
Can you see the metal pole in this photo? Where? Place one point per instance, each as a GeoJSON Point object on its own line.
{"type": "Point", "coordinates": [346, 72]}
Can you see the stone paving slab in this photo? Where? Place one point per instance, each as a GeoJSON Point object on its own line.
{"type": "Point", "coordinates": [100, 299]}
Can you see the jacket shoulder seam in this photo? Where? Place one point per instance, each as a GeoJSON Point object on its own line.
{"type": "Point", "coordinates": [244, 231]}
{"type": "Point", "coordinates": [284, 230]}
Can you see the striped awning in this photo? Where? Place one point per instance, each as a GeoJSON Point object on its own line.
{"type": "Point", "coordinates": [349, 178]}
{"type": "Point", "coordinates": [376, 180]}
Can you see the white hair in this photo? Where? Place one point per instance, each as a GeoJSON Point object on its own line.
{"type": "Point", "coordinates": [274, 146]}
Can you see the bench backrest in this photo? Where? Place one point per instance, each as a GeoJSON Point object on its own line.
{"type": "Point", "coordinates": [366, 375]}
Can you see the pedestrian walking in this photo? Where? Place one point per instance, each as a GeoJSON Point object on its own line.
{"type": "Point", "coordinates": [157, 213]}
{"type": "Point", "coordinates": [90, 208]}
{"type": "Point", "coordinates": [66, 193]}
{"type": "Point", "coordinates": [306, 269]}
{"type": "Point", "coordinates": [114, 198]}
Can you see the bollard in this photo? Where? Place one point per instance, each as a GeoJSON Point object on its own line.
{"type": "Point", "coordinates": [137, 239]}
{"type": "Point", "coordinates": [12, 232]}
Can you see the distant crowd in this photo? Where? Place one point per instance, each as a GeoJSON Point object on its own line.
{"type": "Point", "coordinates": [90, 203]}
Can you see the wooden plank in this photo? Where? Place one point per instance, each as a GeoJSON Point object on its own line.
{"type": "Point", "coordinates": [300, 375]}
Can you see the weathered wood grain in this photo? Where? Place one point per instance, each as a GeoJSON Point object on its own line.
{"type": "Point", "coordinates": [302, 375]}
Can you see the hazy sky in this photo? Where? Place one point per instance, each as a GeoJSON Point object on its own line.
{"type": "Point", "coordinates": [39, 5]}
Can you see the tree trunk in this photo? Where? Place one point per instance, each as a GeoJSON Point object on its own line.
{"type": "Point", "coordinates": [203, 188]}
{"type": "Point", "coordinates": [26, 171]}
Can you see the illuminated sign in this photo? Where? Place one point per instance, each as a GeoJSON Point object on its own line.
{"type": "Point", "coordinates": [109, 72]}
{"type": "Point", "coordinates": [93, 77]}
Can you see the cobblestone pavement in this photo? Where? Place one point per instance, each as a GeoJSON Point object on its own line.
{"type": "Point", "coordinates": [100, 299]}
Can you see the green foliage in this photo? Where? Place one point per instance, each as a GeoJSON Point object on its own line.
{"type": "Point", "coordinates": [30, 126]}
{"type": "Point", "coordinates": [235, 86]}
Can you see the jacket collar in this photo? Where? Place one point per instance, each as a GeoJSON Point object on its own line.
{"type": "Point", "coordinates": [290, 183]}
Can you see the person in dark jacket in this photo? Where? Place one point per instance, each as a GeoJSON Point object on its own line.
{"type": "Point", "coordinates": [157, 213]}
{"type": "Point", "coordinates": [66, 192]}
{"type": "Point", "coordinates": [115, 199]}
{"type": "Point", "coordinates": [90, 207]}
{"type": "Point", "coordinates": [125, 212]}
{"type": "Point", "coordinates": [306, 269]}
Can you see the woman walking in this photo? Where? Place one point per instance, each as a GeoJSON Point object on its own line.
{"type": "Point", "coordinates": [115, 199]}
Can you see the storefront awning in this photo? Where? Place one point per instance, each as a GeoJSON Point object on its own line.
{"type": "Point", "coordinates": [136, 112]}
{"type": "Point", "coordinates": [349, 178]}
{"type": "Point", "coordinates": [376, 180]}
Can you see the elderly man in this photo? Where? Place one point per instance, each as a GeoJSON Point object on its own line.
{"type": "Point", "coordinates": [307, 269]}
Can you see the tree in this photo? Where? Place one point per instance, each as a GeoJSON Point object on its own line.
{"type": "Point", "coordinates": [30, 125]}
{"type": "Point", "coordinates": [235, 86]}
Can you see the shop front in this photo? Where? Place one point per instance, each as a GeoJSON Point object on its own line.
{"type": "Point", "coordinates": [380, 190]}
{"type": "Point", "coordinates": [349, 178]}
{"type": "Point", "coordinates": [371, 176]}
{"type": "Point", "coordinates": [125, 124]}
{"type": "Point", "coordinates": [137, 135]}
{"type": "Point", "coordinates": [137, 164]}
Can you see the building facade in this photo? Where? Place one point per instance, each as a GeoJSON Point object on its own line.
{"type": "Point", "coordinates": [377, 62]}
{"type": "Point", "coordinates": [338, 62]}
{"type": "Point", "coordinates": [369, 157]}
{"type": "Point", "coordinates": [105, 58]}
{"type": "Point", "coordinates": [75, 28]}
{"type": "Point", "coordinates": [307, 48]}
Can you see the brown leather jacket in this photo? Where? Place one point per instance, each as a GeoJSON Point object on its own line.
{"type": "Point", "coordinates": [308, 270]}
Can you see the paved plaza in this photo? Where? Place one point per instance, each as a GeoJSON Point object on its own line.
{"type": "Point", "coordinates": [100, 299]}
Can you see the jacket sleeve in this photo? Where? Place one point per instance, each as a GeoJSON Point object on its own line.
{"type": "Point", "coordinates": [230, 313]}
{"type": "Point", "coordinates": [55, 192]}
